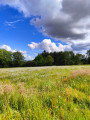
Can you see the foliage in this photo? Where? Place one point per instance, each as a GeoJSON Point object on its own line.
{"type": "Point", "coordinates": [40, 61]}
{"type": "Point", "coordinates": [5, 58]}
{"type": "Point", "coordinates": [9, 59]}
{"type": "Point", "coordinates": [16, 59]}
{"type": "Point", "coordinates": [61, 58]}
{"type": "Point", "coordinates": [88, 55]}
{"type": "Point", "coordinates": [49, 60]}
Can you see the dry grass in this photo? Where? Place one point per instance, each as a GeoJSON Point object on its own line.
{"type": "Point", "coordinates": [22, 89]}
{"type": "Point", "coordinates": [80, 72]}
{"type": "Point", "coordinates": [68, 91]}
{"type": "Point", "coordinates": [6, 88]}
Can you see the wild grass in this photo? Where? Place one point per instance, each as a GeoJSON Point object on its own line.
{"type": "Point", "coordinates": [45, 93]}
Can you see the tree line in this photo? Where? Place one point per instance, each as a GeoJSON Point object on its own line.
{"type": "Point", "coordinates": [11, 59]}
{"type": "Point", "coordinates": [16, 59]}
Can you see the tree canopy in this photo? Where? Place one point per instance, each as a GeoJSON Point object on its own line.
{"type": "Point", "coordinates": [16, 59]}
{"type": "Point", "coordinates": [10, 59]}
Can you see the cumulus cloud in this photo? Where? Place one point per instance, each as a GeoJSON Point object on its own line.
{"type": "Point", "coordinates": [49, 46]}
{"type": "Point", "coordinates": [65, 20]}
{"type": "Point", "coordinates": [24, 53]}
{"type": "Point", "coordinates": [6, 47]}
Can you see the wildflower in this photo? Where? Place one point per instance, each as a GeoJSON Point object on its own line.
{"type": "Point", "coordinates": [57, 106]}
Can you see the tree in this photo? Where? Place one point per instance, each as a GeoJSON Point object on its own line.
{"type": "Point", "coordinates": [78, 59]}
{"type": "Point", "coordinates": [84, 59]}
{"type": "Point", "coordinates": [49, 60]}
{"type": "Point", "coordinates": [40, 61]}
{"type": "Point", "coordinates": [44, 54]}
{"type": "Point", "coordinates": [56, 57]}
{"type": "Point", "coordinates": [30, 63]}
{"type": "Point", "coordinates": [88, 55]}
{"type": "Point", "coordinates": [18, 59]}
{"type": "Point", "coordinates": [5, 58]}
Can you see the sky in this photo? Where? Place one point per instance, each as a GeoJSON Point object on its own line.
{"type": "Point", "coordinates": [32, 26]}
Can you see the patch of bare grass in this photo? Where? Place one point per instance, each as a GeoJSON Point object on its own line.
{"type": "Point", "coordinates": [22, 89]}
{"type": "Point", "coordinates": [6, 88]}
{"type": "Point", "coordinates": [80, 72]}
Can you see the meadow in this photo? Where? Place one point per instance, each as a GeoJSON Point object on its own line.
{"type": "Point", "coordinates": [45, 93]}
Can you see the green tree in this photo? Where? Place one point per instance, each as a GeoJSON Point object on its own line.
{"type": "Point", "coordinates": [40, 61]}
{"type": "Point", "coordinates": [18, 59]}
{"type": "Point", "coordinates": [78, 59]}
{"type": "Point", "coordinates": [44, 54]}
{"type": "Point", "coordinates": [88, 55]}
{"type": "Point", "coordinates": [30, 63]}
{"type": "Point", "coordinates": [5, 58]}
{"type": "Point", "coordinates": [49, 60]}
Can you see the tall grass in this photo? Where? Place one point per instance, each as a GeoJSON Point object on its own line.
{"type": "Point", "coordinates": [48, 93]}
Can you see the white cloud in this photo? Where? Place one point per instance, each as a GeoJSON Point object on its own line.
{"type": "Point", "coordinates": [65, 20]}
{"type": "Point", "coordinates": [29, 58]}
{"type": "Point", "coordinates": [49, 46]}
{"type": "Point", "coordinates": [34, 7]}
{"type": "Point", "coordinates": [12, 23]}
{"type": "Point", "coordinates": [25, 54]}
{"type": "Point", "coordinates": [6, 47]}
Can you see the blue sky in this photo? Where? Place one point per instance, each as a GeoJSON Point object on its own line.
{"type": "Point", "coordinates": [33, 26]}
{"type": "Point", "coordinates": [19, 33]}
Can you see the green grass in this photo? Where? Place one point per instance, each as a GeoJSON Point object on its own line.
{"type": "Point", "coordinates": [46, 93]}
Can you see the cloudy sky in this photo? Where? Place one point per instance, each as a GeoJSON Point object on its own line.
{"type": "Point", "coordinates": [31, 26]}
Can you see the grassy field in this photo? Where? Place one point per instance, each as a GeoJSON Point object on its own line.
{"type": "Point", "coordinates": [46, 93]}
